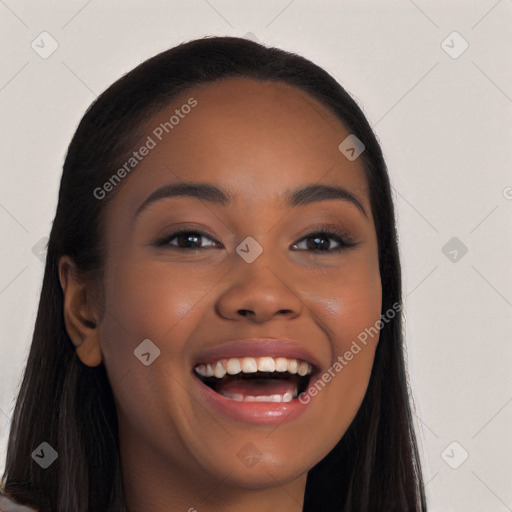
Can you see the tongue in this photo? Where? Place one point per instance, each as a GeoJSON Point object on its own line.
{"type": "Point", "coordinates": [258, 387]}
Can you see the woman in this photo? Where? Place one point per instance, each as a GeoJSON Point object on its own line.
{"type": "Point", "coordinates": [219, 326]}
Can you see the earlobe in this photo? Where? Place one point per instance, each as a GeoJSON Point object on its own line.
{"type": "Point", "coordinates": [80, 313]}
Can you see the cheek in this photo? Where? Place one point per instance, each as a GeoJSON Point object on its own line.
{"type": "Point", "coordinates": [355, 315]}
{"type": "Point", "coordinates": [145, 302]}
{"type": "Point", "coordinates": [351, 309]}
{"type": "Point", "coordinates": [350, 300]}
{"type": "Point", "coordinates": [149, 300]}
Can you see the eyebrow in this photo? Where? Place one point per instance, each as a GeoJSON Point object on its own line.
{"type": "Point", "coordinates": [295, 196]}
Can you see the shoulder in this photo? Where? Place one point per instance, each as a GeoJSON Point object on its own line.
{"type": "Point", "coordinates": [7, 504]}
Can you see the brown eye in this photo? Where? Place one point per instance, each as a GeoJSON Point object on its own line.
{"type": "Point", "coordinates": [320, 241]}
{"type": "Point", "coordinates": [186, 240]}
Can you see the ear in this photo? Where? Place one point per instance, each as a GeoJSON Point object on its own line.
{"type": "Point", "coordinates": [81, 313]}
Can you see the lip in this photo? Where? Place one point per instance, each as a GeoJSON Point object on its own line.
{"type": "Point", "coordinates": [257, 347]}
{"type": "Point", "coordinates": [256, 413]}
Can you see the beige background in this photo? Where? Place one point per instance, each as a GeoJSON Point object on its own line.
{"type": "Point", "coordinates": [445, 125]}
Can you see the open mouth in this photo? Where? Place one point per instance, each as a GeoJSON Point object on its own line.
{"type": "Point", "coordinates": [256, 379]}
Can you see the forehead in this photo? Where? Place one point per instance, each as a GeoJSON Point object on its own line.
{"type": "Point", "coordinates": [255, 139]}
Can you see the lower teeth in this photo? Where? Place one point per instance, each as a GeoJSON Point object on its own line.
{"type": "Point", "coordinates": [287, 397]}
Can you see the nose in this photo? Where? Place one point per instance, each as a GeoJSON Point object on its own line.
{"type": "Point", "coordinates": [258, 292]}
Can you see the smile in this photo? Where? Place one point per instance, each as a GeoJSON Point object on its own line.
{"type": "Point", "coordinates": [256, 379]}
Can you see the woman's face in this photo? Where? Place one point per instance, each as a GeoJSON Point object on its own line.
{"type": "Point", "coordinates": [253, 279]}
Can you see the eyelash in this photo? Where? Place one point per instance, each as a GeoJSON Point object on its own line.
{"type": "Point", "coordinates": [344, 240]}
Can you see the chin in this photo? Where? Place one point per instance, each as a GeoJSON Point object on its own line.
{"type": "Point", "coordinates": [250, 467]}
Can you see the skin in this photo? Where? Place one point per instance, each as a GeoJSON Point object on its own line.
{"type": "Point", "coordinates": [256, 140]}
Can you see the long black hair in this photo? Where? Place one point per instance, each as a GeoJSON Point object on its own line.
{"type": "Point", "coordinates": [61, 401]}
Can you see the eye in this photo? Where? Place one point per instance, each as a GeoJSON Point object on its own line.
{"type": "Point", "coordinates": [185, 238]}
{"type": "Point", "coordinates": [320, 240]}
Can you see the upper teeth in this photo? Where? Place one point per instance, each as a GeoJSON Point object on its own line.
{"type": "Point", "coordinates": [236, 365]}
